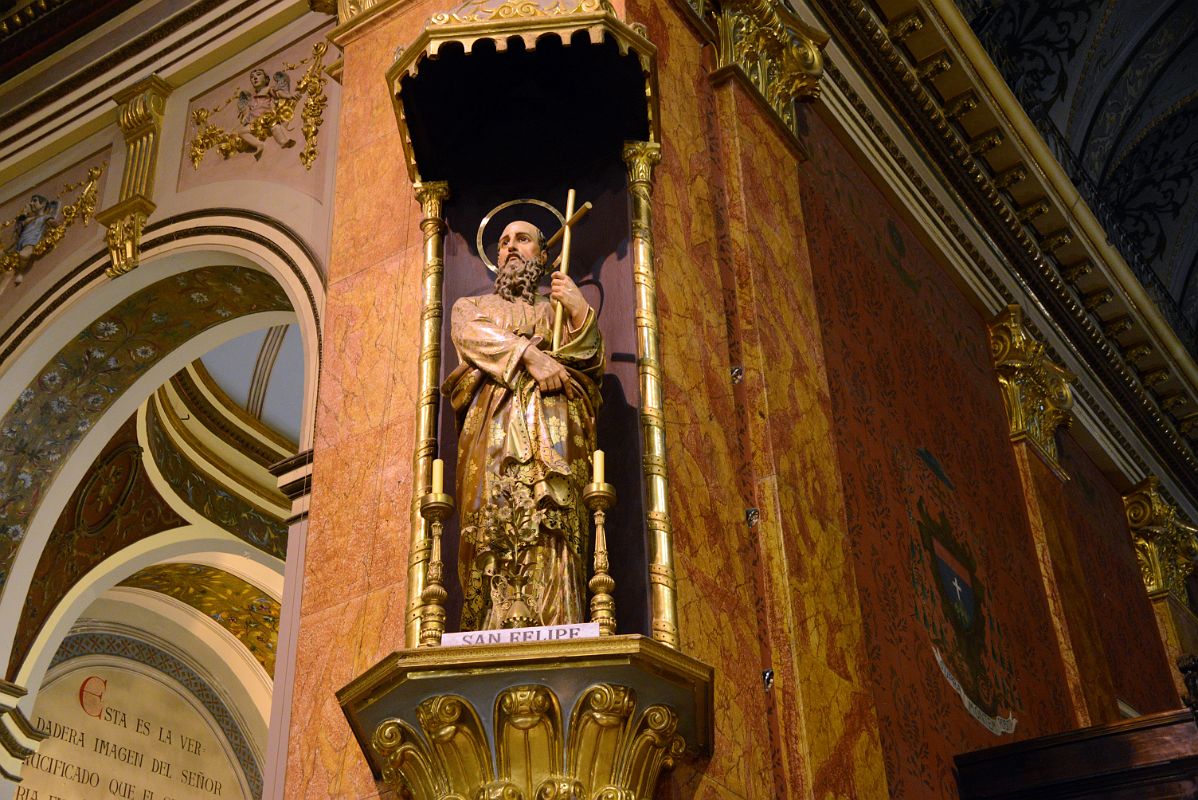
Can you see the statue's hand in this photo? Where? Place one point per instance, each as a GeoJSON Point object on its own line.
{"type": "Point", "coordinates": [566, 292]}
{"type": "Point", "coordinates": [549, 375]}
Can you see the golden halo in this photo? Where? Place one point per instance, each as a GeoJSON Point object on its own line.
{"type": "Point", "coordinates": [482, 226]}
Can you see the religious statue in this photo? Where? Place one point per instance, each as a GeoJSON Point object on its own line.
{"type": "Point", "coordinates": [526, 417]}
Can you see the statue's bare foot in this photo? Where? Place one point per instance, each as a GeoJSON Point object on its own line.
{"type": "Point", "coordinates": [290, 143]}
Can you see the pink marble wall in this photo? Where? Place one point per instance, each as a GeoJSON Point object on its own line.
{"type": "Point", "coordinates": [354, 589]}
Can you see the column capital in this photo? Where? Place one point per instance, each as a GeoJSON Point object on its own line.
{"type": "Point", "coordinates": [1165, 545]}
{"type": "Point", "coordinates": [1035, 391]}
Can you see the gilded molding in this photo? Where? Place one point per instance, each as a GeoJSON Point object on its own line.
{"type": "Point", "coordinates": [501, 21]}
{"type": "Point", "coordinates": [432, 196]}
{"type": "Point", "coordinates": [1165, 545]}
{"type": "Point", "coordinates": [1035, 391]}
{"type": "Point", "coordinates": [492, 11]}
{"type": "Point", "coordinates": [781, 57]}
{"type": "Point", "coordinates": [601, 749]}
{"type": "Point", "coordinates": [140, 120]}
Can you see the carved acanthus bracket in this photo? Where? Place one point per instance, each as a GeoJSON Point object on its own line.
{"type": "Point", "coordinates": [140, 120]}
{"type": "Point", "coordinates": [606, 746]}
{"type": "Point", "coordinates": [1165, 545]}
{"type": "Point", "coordinates": [779, 55]}
{"type": "Point", "coordinates": [531, 721]}
{"type": "Point", "coordinates": [1035, 390]}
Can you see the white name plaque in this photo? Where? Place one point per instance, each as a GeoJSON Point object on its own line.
{"type": "Point", "coordinates": [548, 633]}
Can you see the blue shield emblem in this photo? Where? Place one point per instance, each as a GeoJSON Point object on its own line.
{"type": "Point", "coordinates": [956, 586]}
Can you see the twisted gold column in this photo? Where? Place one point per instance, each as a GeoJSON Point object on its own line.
{"type": "Point", "coordinates": [432, 196]}
{"type": "Point", "coordinates": [641, 157]}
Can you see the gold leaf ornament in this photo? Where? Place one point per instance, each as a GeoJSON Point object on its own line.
{"type": "Point", "coordinates": [267, 123]}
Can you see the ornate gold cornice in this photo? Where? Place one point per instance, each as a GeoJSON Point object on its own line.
{"type": "Point", "coordinates": [993, 184]}
{"type": "Point", "coordinates": [1035, 391]}
{"type": "Point", "coordinates": [1165, 545]}
{"type": "Point", "coordinates": [502, 21]}
{"type": "Point", "coordinates": [140, 120]}
{"type": "Point", "coordinates": [496, 10]}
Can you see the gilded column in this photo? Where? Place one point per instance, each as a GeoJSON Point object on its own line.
{"type": "Point", "coordinates": [1165, 545]}
{"type": "Point", "coordinates": [432, 196]}
{"type": "Point", "coordinates": [140, 120]}
{"type": "Point", "coordinates": [641, 157]}
{"type": "Point", "coordinates": [1035, 391]}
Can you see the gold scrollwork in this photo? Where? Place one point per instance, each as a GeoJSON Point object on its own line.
{"type": "Point", "coordinates": [42, 224]}
{"type": "Point", "coordinates": [1035, 391]}
{"type": "Point", "coordinates": [407, 763]}
{"type": "Point", "coordinates": [489, 10]}
{"type": "Point", "coordinates": [605, 753]}
{"type": "Point", "coordinates": [123, 238]}
{"type": "Point", "coordinates": [266, 113]}
{"type": "Point", "coordinates": [459, 743]}
{"type": "Point", "coordinates": [780, 55]}
{"type": "Point", "coordinates": [1165, 545]}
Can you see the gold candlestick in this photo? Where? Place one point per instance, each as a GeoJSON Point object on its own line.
{"type": "Point", "coordinates": [598, 498]}
{"type": "Point", "coordinates": [435, 507]}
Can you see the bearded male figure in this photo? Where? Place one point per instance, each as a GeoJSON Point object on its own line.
{"type": "Point", "coordinates": [526, 418]}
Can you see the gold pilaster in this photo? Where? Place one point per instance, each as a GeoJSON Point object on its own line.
{"type": "Point", "coordinates": [140, 120]}
{"type": "Point", "coordinates": [1035, 391]}
{"type": "Point", "coordinates": [641, 157]}
{"type": "Point", "coordinates": [1165, 545]}
{"type": "Point", "coordinates": [432, 196]}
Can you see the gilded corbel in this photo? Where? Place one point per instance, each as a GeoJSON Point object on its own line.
{"type": "Point", "coordinates": [781, 57]}
{"type": "Point", "coordinates": [1035, 391]}
{"type": "Point", "coordinates": [140, 120]}
{"type": "Point", "coordinates": [1165, 545]}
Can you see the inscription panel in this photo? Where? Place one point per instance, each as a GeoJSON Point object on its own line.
{"type": "Point", "coordinates": [127, 732]}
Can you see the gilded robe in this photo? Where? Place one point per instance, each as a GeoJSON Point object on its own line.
{"type": "Point", "coordinates": [507, 427]}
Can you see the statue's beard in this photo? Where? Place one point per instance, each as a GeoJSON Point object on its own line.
{"type": "Point", "coordinates": [518, 279]}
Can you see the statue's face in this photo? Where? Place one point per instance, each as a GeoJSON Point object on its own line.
{"type": "Point", "coordinates": [520, 239]}
{"type": "Point", "coordinates": [259, 79]}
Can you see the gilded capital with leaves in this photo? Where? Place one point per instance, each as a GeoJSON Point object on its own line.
{"type": "Point", "coordinates": [1165, 545]}
{"type": "Point", "coordinates": [1035, 390]}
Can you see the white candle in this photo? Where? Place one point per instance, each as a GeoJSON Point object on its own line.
{"type": "Point", "coordinates": [597, 475]}
{"type": "Point", "coordinates": [438, 476]}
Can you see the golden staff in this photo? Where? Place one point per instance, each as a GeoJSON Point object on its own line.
{"type": "Point", "coordinates": [572, 217]}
